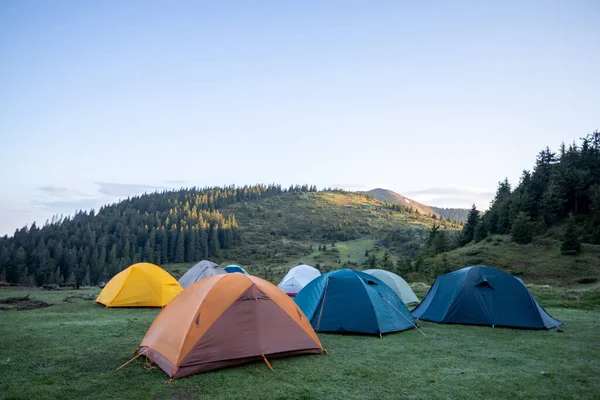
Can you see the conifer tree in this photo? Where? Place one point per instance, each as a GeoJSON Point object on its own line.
{"type": "Point", "coordinates": [180, 248]}
{"type": "Point", "coordinates": [386, 262]}
{"type": "Point", "coordinates": [468, 230]}
{"type": "Point", "coordinates": [522, 230]}
{"type": "Point", "coordinates": [570, 244]}
{"type": "Point", "coordinates": [440, 242]}
{"type": "Point", "coordinates": [480, 232]}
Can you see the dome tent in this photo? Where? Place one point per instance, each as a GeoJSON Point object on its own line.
{"type": "Point", "coordinates": [235, 268]}
{"type": "Point", "coordinates": [481, 295]}
{"type": "Point", "coordinates": [352, 301]}
{"type": "Point", "coordinates": [203, 269]}
{"type": "Point", "coordinates": [397, 284]}
{"type": "Point", "coordinates": [140, 285]}
{"type": "Point", "coordinates": [227, 320]}
{"type": "Point", "coordinates": [297, 278]}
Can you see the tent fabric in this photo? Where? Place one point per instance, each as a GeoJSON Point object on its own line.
{"type": "Point", "coordinates": [140, 285]}
{"type": "Point", "coordinates": [355, 302]}
{"type": "Point", "coordinates": [397, 284]}
{"type": "Point", "coordinates": [202, 270]}
{"type": "Point", "coordinates": [297, 278]}
{"type": "Point", "coordinates": [481, 295]}
{"type": "Point", "coordinates": [235, 268]}
{"type": "Point", "coordinates": [226, 320]}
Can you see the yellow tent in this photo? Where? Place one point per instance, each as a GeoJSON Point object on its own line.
{"type": "Point", "coordinates": [141, 285]}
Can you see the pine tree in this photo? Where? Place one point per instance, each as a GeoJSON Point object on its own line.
{"type": "Point", "coordinates": [372, 261]}
{"type": "Point", "coordinates": [386, 262]}
{"type": "Point", "coordinates": [180, 247]}
{"type": "Point", "coordinates": [86, 279]}
{"type": "Point", "coordinates": [522, 231]}
{"type": "Point", "coordinates": [440, 242]}
{"type": "Point", "coordinates": [594, 223]}
{"type": "Point", "coordinates": [570, 244]}
{"type": "Point", "coordinates": [480, 232]}
{"type": "Point", "coordinates": [468, 231]}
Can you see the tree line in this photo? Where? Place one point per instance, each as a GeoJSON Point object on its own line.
{"type": "Point", "coordinates": [161, 227]}
{"type": "Point", "coordinates": [560, 194]}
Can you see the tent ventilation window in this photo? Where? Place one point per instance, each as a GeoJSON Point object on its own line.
{"type": "Point", "coordinates": [485, 283]}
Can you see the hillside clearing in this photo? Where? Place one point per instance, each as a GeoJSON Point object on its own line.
{"type": "Point", "coordinates": [539, 262]}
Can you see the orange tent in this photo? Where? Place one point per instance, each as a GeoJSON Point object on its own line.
{"type": "Point", "coordinates": [227, 320]}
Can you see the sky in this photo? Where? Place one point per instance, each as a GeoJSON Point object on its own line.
{"type": "Point", "coordinates": [436, 100]}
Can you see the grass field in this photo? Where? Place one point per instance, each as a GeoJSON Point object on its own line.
{"type": "Point", "coordinates": [68, 351]}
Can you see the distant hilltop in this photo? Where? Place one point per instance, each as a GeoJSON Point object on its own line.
{"type": "Point", "coordinates": [459, 214]}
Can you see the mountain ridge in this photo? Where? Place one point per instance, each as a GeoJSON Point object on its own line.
{"type": "Point", "coordinates": [455, 214]}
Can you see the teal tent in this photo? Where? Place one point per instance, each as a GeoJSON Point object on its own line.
{"type": "Point", "coordinates": [397, 284]}
{"type": "Point", "coordinates": [352, 301]}
{"type": "Point", "coordinates": [482, 295]}
{"type": "Point", "coordinates": [235, 268]}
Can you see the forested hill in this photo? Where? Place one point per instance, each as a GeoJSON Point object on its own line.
{"type": "Point", "coordinates": [166, 227]}
{"type": "Point", "coordinates": [554, 210]}
{"type": "Point", "coordinates": [564, 186]}
{"type": "Point", "coordinates": [188, 225]}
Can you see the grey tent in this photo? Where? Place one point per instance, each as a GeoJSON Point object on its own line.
{"type": "Point", "coordinates": [203, 269]}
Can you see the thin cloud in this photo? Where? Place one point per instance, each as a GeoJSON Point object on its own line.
{"type": "Point", "coordinates": [453, 197]}
{"type": "Point", "coordinates": [113, 189]}
{"type": "Point", "coordinates": [61, 191]}
{"type": "Point", "coordinates": [447, 191]}
{"type": "Point", "coordinates": [65, 206]}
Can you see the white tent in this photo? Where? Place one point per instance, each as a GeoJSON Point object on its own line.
{"type": "Point", "coordinates": [297, 278]}
{"type": "Point", "coordinates": [203, 269]}
{"type": "Point", "coordinates": [396, 282]}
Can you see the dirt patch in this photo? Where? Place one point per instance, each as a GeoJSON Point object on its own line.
{"type": "Point", "coordinates": [572, 295]}
{"type": "Point", "coordinates": [80, 296]}
{"type": "Point", "coordinates": [21, 304]}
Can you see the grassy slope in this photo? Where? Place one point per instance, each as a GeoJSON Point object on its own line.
{"type": "Point", "coordinates": [539, 262]}
{"type": "Point", "coordinates": [68, 351]}
{"type": "Point", "coordinates": [279, 232]}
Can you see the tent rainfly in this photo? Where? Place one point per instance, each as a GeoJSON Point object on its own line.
{"type": "Point", "coordinates": [352, 301]}
{"type": "Point", "coordinates": [481, 295]}
{"type": "Point", "coordinates": [297, 278]}
{"type": "Point", "coordinates": [227, 320]}
{"type": "Point", "coordinates": [140, 285]}
{"type": "Point", "coordinates": [397, 284]}
{"type": "Point", "coordinates": [202, 270]}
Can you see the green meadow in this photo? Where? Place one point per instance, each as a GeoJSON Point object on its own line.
{"type": "Point", "coordinates": [70, 349]}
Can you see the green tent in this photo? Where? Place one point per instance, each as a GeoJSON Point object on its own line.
{"type": "Point", "coordinates": [397, 284]}
{"type": "Point", "coordinates": [235, 268]}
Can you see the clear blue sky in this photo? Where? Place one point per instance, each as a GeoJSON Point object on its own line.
{"type": "Point", "coordinates": [438, 100]}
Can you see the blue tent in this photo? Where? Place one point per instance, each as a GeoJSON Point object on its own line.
{"type": "Point", "coordinates": [481, 295]}
{"type": "Point", "coordinates": [352, 301]}
{"type": "Point", "coordinates": [235, 268]}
